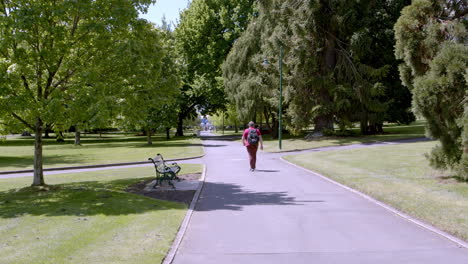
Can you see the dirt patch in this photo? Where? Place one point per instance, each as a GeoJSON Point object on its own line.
{"type": "Point", "coordinates": [167, 194]}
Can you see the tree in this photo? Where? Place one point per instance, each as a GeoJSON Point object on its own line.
{"type": "Point", "coordinates": [44, 46]}
{"type": "Point", "coordinates": [153, 81]}
{"type": "Point", "coordinates": [206, 33]}
{"type": "Point", "coordinates": [431, 39]}
{"type": "Point", "coordinates": [250, 87]}
{"type": "Point", "coordinates": [336, 65]}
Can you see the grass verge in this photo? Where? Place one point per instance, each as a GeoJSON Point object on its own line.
{"type": "Point", "coordinates": [392, 132]}
{"type": "Point", "coordinates": [398, 175]}
{"type": "Point", "coordinates": [86, 218]}
{"type": "Point", "coordinates": [17, 153]}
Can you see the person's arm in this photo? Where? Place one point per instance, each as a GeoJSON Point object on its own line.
{"type": "Point", "coordinates": [261, 139]}
{"type": "Point", "coordinates": [243, 139]}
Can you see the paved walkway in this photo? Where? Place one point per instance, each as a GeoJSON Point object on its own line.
{"type": "Point", "coordinates": [282, 214]}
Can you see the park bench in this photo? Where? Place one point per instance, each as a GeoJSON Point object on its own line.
{"type": "Point", "coordinates": [164, 172]}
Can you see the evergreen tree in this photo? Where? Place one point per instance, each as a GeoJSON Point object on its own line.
{"type": "Point", "coordinates": [337, 64]}
{"type": "Point", "coordinates": [432, 41]}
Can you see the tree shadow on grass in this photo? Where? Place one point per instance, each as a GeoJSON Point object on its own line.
{"type": "Point", "coordinates": [24, 162]}
{"type": "Point", "coordinates": [109, 198]}
{"type": "Point", "coordinates": [29, 141]}
{"type": "Point", "coordinates": [83, 198]}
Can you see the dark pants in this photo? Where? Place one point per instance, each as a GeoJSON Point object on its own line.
{"type": "Point", "coordinates": [252, 150]}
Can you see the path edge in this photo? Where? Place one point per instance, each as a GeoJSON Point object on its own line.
{"type": "Point", "coordinates": [458, 241]}
{"type": "Point", "coordinates": [183, 227]}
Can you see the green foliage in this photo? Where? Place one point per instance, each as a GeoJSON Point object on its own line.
{"type": "Point", "coordinates": [46, 49]}
{"type": "Point", "coordinates": [336, 64]}
{"type": "Point", "coordinates": [152, 82]}
{"type": "Point", "coordinates": [206, 33]}
{"type": "Point", "coordinates": [432, 40]}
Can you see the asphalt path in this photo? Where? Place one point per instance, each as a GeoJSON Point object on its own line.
{"type": "Point", "coordinates": [282, 214]}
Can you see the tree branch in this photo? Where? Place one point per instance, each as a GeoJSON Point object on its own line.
{"type": "Point", "coordinates": [76, 19]}
{"type": "Point", "coordinates": [61, 81]}
{"type": "Point", "coordinates": [49, 89]}
{"type": "Point", "coordinates": [23, 121]}
{"type": "Point", "coordinates": [26, 87]}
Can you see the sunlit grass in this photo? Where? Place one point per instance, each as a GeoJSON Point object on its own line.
{"type": "Point", "coordinates": [398, 175]}
{"type": "Point", "coordinates": [18, 153]}
{"type": "Point", "coordinates": [86, 218]}
{"type": "Point", "coordinates": [392, 132]}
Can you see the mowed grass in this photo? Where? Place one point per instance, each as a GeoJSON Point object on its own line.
{"type": "Point", "coordinates": [86, 218]}
{"type": "Point", "coordinates": [398, 175]}
{"type": "Point", "coordinates": [228, 133]}
{"type": "Point", "coordinates": [393, 132]}
{"type": "Point", "coordinates": [18, 153]}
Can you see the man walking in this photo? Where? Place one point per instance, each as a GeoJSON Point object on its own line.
{"type": "Point", "coordinates": [250, 138]}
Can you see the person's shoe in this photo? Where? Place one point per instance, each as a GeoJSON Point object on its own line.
{"type": "Point", "coordinates": [251, 169]}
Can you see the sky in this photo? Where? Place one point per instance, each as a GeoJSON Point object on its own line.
{"type": "Point", "coordinates": [169, 8]}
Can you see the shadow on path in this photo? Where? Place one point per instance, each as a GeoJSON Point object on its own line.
{"type": "Point", "coordinates": [223, 196]}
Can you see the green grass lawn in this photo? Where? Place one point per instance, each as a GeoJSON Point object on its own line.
{"type": "Point", "coordinates": [86, 218]}
{"type": "Point", "coordinates": [228, 133]}
{"type": "Point", "coordinates": [393, 132]}
{"type": "Point", "coordinates": [398, 175]}
{"type": "Point", "coordinates": [18, 153]}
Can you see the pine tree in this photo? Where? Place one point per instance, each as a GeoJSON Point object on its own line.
{"type": "Point", "coordinates": [337, 66]}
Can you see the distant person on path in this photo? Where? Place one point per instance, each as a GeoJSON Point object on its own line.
{"type": "Point", "coordinates": [251, 138]}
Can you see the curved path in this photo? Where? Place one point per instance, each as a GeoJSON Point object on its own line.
{"type": "Point", "coordinates": [282, 214]}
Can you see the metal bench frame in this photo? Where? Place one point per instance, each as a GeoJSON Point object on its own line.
{"type": "Point", "coordinates": [165, 172]}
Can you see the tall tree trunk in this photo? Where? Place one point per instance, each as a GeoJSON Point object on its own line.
{"type": "Point", "coordinates": [100, 133]}
{"type": "Point", "coordinates": [323, 122]}
{"type": "Point", "coordinates": [60, 137]}
{"type": "Point", "coordinates": [180, 125]}
{"type": "Point", "coordinates": [168, 130]}
{"type": "Point", "coordinates": [379, 128]}
{"type": "Point", "coordinates": [38, 178]}
{"type": "Point", "coordinates": [327, 66]}
{"type": "Point", "coordinates": [46, 131]}
{"type": "Point", "coordinates": [236, 128]}
{"type": "Point", "coordinates": [364, 122]}
{"type": "Point", "coordinates": [148, 136]}
{"type": "Point", "coordinates": [274, 128]}
{"type": "Point", "coordinates": [77, 135]}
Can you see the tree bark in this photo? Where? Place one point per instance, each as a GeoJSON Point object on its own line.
{"type": "Point", "coordinates": [59, 137]}
{"type": "Point", "coordinates": [323, 122]}
{"type": "Point", "coordinates": [236, 128]}
{"type": "Point", "coordinates": [148, 135]}
{"type": "Point", "coordinates": [274, 128]}
{"type": "Point", "coordinates": [38, 178]}
{"type": "Point", "coordinates": [180, 126]}
{"type": "Point", "coordinates": [168, 130]}
{"type": "Point", "coordinates": [46, 131]}
{"type": "Point", "coordinates": [77, 135]}
{"type": "Point", "coordinates": [363, 123]}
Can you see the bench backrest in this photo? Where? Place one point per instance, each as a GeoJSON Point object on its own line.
{"type": "Point", "coordinates": [158, 162]}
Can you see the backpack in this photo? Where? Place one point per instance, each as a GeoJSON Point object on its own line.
{"type": "Point", "coordinates": [252, 137]}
